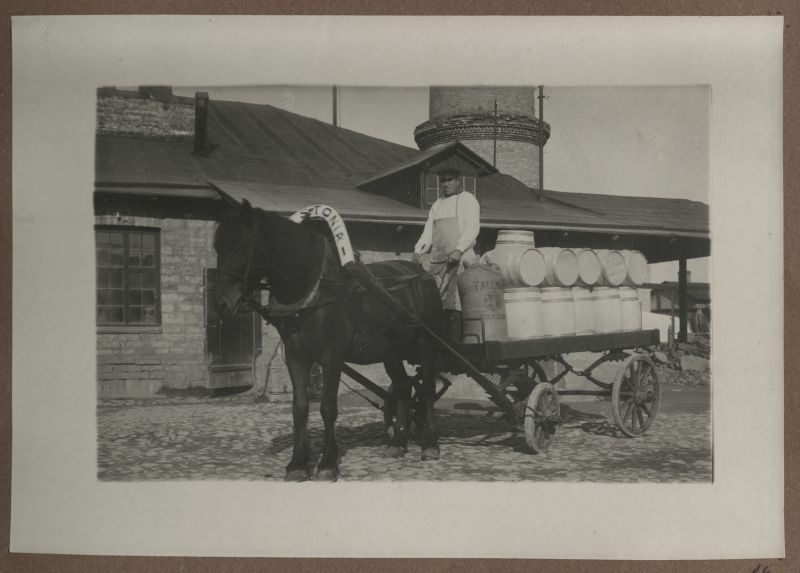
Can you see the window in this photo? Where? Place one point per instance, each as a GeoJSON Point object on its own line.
{"type": "Point", "coordinates": [127, 277]}
{"type": "Point", "coordinates": [469, 184]}
{"type": "Point", "coordinates": [431, 188]}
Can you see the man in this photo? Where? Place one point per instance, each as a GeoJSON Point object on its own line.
{"type": "Point", "coordinates": [450, 233]}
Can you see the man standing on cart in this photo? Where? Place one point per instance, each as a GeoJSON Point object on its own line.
{"type": "Point", "coordinates": [449, 235]}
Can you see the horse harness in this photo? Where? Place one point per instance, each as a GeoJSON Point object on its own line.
{"type": "Point", "coordinates": [328, 288]}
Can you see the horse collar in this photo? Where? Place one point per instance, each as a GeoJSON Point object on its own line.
{"type": "Point", "coordinates": [313, 298]}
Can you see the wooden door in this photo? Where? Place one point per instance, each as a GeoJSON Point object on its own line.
{"type": "Point", "coordinates": [231, 344]}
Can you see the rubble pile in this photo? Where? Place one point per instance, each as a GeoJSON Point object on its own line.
{"type": "Point", "coordinates": [685, 362]}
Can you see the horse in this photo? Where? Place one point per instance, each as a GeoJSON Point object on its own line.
{"type": "Point", "coordinates": [325, 317]}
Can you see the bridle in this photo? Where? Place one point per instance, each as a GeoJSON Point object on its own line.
{"type": "Point", "coordinates": [248, 293]}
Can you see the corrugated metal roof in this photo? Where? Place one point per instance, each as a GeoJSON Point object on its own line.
{"type": "Point", "coordinates": [352, 204]}
{"type": "Point", "coordinates": [423, 156]}
{"type": "Point", "coordinates": [283, 162]}
{"type": "Point", "coordinates": [500, 207]}
{"type": "Point", "coordinates": [255, 143]}
{"type": "Point", "coordinates": [265, 143]}
{"type": "Point", "coordinates": [648, 212]}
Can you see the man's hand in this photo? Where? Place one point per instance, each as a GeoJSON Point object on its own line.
{"type": "Point", "coordinates": [417, 258]}
{"type": "Point", "coordinates": [454, 257]}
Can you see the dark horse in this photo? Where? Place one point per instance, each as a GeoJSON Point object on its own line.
{"type": "Point", "coordinates": [325, 317]}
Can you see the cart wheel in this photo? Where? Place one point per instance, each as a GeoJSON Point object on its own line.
{"type": "Point", "coordinates": [542, 416]}
{"type": "Point", "coordinates": [636, 395]}
{"type": "Point", "coordinates": [523, 380]}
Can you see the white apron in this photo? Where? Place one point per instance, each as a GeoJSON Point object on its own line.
{"type": "Point", "coordinates": [445, 239]}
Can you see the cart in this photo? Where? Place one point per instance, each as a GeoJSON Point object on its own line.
{"type": "Point", "coordinates": [511, 372]}
{"type": "Point", "coordinates": [512, 375]}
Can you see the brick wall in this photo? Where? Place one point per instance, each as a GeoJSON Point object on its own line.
{"type": "Point", "coordinates": [446, 101]}
{"type": "Point", "coordinates": [141, 360]}
{"type": "Point", "coordinates": [515, 158]}
{"type": "Point", "coordinates": [133, 113]}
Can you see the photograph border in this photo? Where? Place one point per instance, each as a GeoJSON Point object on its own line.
{"type": "Point", "coordinates": [45, 562]}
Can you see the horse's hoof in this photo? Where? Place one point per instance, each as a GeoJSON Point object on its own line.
{"type": "Point", "coordinates": [327, 474]}
{"type": "Point", "coordinates": [296, 475]}
{"type": "Point", "coordinates": [395, 452]}
{"type": "Point", "coordinates": [430, 453]}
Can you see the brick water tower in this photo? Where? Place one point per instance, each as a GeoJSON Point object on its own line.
{"type": "Point", "coordinates": [498, 123]}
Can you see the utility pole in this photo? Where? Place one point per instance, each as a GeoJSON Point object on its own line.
{"type": "Point", "coordinates": [335, 107]}
{"type": "Point", "coordinates": [494, 136]}
{"type": "Point", "coordinates": [541, 143]}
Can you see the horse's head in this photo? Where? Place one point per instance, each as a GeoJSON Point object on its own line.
{"type": "Point", "coordinates": [235, 243]}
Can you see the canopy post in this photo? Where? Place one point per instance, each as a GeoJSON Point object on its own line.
{"type": "Point", "coordinates": [683, 288]}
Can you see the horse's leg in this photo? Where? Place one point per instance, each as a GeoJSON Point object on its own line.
{"type": "Point", "coordinates": [299, 371]}
{"type": "Point", "coordinates": [328, 469]}
{"type": "Point", "coordinates": [429, 440]}
{"type": "Point", "coordinates": [401, 385]}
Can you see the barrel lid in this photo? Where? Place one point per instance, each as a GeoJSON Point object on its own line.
{"type": "Point", "coordinates": [614, 268]}
{"type": "Point", "coordinates": [532, 267]}
{"type": "Point", "coordinates": [565, 267]}
{"type": "Point", "coordinates": [589, 268]}
{"type": "Point", "coordinates": [637, 267]}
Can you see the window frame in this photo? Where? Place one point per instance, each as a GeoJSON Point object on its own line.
{"type": "Point", "coordinates": [426, 178]}
{"type": "Point", "coordinates": [127, 272]}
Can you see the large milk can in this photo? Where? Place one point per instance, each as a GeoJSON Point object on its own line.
{"type": "Point", "coordinates": [558, 311]}
{"type": "Point", "coordinates": [584, 310]}
{"type": "Point", "coordinates": [483, 311]}
{"type": "Point", "coordinates": [523, 313]}
{"type": "Point", "coordinates": [631, 308]}
{"type": "Point", "coordinates": [608, 311]}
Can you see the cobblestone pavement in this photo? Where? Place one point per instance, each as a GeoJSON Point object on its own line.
{"type": "Point", "coordinates": [236, 438]}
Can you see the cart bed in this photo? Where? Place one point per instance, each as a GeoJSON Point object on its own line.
{"type": "Point", "coordinates": [491, 352]}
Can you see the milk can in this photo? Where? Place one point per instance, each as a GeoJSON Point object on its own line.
{"type": "Point", "coordinates": [483, 311]}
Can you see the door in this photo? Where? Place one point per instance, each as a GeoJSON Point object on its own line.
{"type": "Point", "coordinates": [231, 344]}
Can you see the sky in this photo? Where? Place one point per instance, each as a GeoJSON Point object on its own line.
{"type": "Point", "coordinates": [635, 141]}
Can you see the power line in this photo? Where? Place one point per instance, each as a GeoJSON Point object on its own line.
{"type": "Point", "coordinates": [573, 144]}
{"type": "Point", "coordinates": [636, 120]}
{"type": "Point", "coordinates": [614, 127]}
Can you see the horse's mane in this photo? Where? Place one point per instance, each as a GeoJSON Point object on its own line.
{"type": "Point", "coordinates": [290, 253]}
{"type": "Point", "coordinates": [229, 230]}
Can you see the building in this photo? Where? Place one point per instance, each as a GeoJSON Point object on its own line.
{"type": "Point", "coordinates": [167, 167]}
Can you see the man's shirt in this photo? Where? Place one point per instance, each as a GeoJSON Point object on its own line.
{"type": "Point", "coordinates": [465, 206]}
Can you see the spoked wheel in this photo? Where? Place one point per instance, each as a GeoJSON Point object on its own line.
{"type": "Point", "coordinates": [636, 395]}
{"type": "Point", "coordinates": [542, 416]}
{"type": "Point", "coordinates": [521, 381]}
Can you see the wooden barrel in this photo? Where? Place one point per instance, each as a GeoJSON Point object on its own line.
{"type": "Point", "coordinates": [614, 270]}
{"type": "Point", "coordinates": [562, 266]}
{"type": "Point", "coordinates": [584, 310]}
{"type": "Point", "coordinates": [630, 309]}
{"type": "Point", "coordinates": [558, 311]}
{"type": "Point", "coordinates": [521, 266]}
{"type": "Point", "coordinates": [636, 268]}
{"type": "Point", "coordinates": [523, 313]}
{"type": "Point", "coordinates": [514, 237]}
{"type": "Point", "coordinates": [607, 309]}
{"type": "Point", "coordinates": [589, 267]}
{"type": "Point", "coordinates": [483, 312]}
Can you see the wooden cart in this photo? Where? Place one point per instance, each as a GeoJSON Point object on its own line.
{"type": "Point", "coordinates": [513, 377]}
